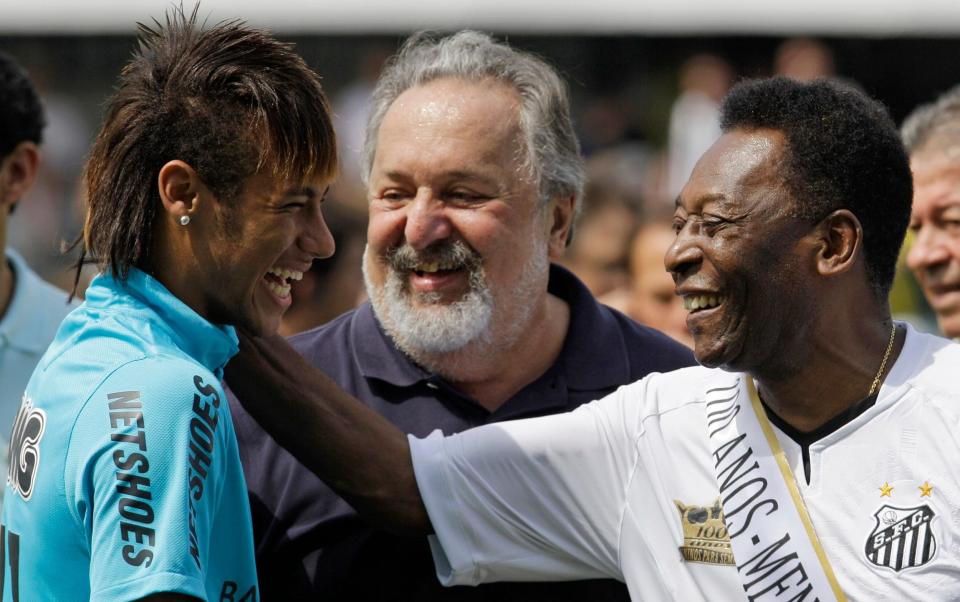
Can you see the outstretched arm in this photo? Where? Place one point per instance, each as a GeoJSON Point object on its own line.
{"type": "Point", "coordinates": [357, 452]}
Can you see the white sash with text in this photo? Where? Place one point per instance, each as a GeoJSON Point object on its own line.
{"type": "Point", "coordinates": [777, 552]}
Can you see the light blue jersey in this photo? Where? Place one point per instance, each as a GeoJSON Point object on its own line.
{"type": "Point", "coordinates": [124, 475]}
{"type": "Point", "coordinates": [26, 329]}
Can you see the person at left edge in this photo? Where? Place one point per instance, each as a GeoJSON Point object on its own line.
{"type": "Point", "coordinates": [204, 190]}
{"type": "Point", "coordinates": [30, 308]}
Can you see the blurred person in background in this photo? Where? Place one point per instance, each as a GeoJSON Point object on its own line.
{"type": "Point", "coordinates": [30, 308]}
{"type": "Point", "coordinates": [604, 123]}
{"type": "Point", "coordinates": [52, 211]}
{"type": "Point", "coordinates": [330, 287]}
{"type": "Point", "coordinates": [932, 136]}
{"type": "Point", "coordinates": [612, 202]}
{"type": "Point", "coordinates": [649, 298]}
{"type": "Point", "coordinates": [474, 175]}
{"type": "Point", "coordinates": [803, 59]}
{"type": "Point", "coordinates": [351, 105]}
{"type": "Point", "coordinates": [695, 115]}
{"type": "Point", "coordinates": [125, 479]}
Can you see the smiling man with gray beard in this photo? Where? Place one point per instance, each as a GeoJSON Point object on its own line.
{"type": "Point", "coordinates": [474, 177]}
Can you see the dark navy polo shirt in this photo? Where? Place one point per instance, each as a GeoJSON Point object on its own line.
{"type": "Point", "coordinates": [311, 545]}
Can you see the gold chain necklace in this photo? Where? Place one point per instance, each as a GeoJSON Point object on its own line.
{"type": "Point", "coordinates": [883, 363]}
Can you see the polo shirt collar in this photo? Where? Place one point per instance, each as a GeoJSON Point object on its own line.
{"type": "Point", "coordinates": [594, 354]}
{"type": "Point", "coordinates": [209, 344]}
{"type": "Point", "coordinates": [19, 323]}
{"type": "Point", "coordinates": [592, 332]}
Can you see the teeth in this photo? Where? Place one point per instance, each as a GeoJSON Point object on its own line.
{"type": "Point", "coordinates": [695, 302]}
{"type": "Point", "coordinates": [280, 290]}
{"type": "Point", "coordinates": [435, 266]}
{"type": "Point", "coordinates": [285, 273]}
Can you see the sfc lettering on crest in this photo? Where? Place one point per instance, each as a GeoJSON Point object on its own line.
{"type": "Point", "coordinates": [903, 537]}
{"type": "Point", "coordinates": [24, 453]}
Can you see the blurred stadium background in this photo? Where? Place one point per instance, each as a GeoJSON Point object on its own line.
{"type": "Point", "coordinates": [632, 67]}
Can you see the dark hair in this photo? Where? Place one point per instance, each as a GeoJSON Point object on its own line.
{"type": "Point", "coordinates": [842, 151]}
{"type": "Point", "coordinates": [229, 100]}
{"type": "Point", "coordinates": [21, 112]}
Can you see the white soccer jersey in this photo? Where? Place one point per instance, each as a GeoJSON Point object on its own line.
{"type": "Point", "coordinates": [626, 487]}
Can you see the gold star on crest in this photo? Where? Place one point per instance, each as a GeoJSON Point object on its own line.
{"type": "Point", "coordinates": [926, 489]}
{"type": "Point", "coordinates": [886, 490]}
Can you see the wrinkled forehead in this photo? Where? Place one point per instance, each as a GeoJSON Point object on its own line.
{"type": "Point", "coordinates": [935, 162]}
{"type": "Point", "coordinates": [936, 184]}
{"type": "Point", "coordinates": [456, 103]}
{"type": "Point", "coordinates": [451, 127]}
{"type": "Point", "coordinates": [739, 164]}
{"type": "Point", "coordinates": [943, 142]}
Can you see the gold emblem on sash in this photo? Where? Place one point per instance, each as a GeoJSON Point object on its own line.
{"type": "Point", "coordinates": [705, 537]}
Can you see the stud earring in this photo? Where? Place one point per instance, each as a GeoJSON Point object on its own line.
{"type": "Point", "coordinates": [184, 220]}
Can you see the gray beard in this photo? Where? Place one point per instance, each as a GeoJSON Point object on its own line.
{"type": "Point", "coordinates": [450, 338]}
{"type": "Point", "coordinates": [434, 327]}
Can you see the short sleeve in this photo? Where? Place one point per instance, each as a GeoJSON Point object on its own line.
{"type": "Point", "coordinates": [535, 499]}
{"type": "Point", "coordinates": [143, 477]}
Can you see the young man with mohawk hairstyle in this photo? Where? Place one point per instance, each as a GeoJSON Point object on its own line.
{"type": "Point", "coordinates": [203, 188]}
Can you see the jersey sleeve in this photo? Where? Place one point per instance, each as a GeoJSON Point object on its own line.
{"type": "Point", "coordinates": [535, 499]}
{"type": "Point", "coordinates": [143, 476]}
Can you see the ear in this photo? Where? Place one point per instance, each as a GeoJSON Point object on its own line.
{"type": "Point", "coordinates": [560, 219]}
{"type": "Point", "coordinates": [181, 190]}
{"type": "Point", "coordinates": [18, 171]}
{"type": "Point", "coordinates": [840, 237]}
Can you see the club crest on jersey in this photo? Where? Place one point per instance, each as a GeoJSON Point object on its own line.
{"type": "Point", "coordinates": [705, 537]}
{"type": "Point", "coordinates": [24, 452]}
{"type": "Point", "coordinates": [903, 538]}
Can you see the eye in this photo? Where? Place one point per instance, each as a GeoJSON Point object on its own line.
{"type": "Point", "coordinates": [298, 198]}
{"type": "Point", "coordinates": [393, 195]}
{"type": "Point", "coordinates": [712, 224]}
{"type": "Point", "coordinates": [459, 195]}
{"type": "Point", "coordinates": [678, 224]}
{"type": "Point", "coordinates": [953, 227]}
{"type": "Point", "coordinates": [294, 203]}
{"type": "Point", "coordinates": [951, 219]}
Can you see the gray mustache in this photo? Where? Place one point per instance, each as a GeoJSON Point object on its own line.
{"type": "Point", "coordinates": [455, 254]}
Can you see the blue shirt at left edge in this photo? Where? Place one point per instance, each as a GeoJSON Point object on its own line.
{"type": "Point", "coordinates": [125, 478]}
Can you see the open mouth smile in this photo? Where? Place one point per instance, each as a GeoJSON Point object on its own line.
{"type": "Point", "coordinates": [435, 276]}
{"type": "Point", "coordinates": [442, 269]}
{"type": "Point", "coordinates": [695, 303]}
{"type": "Point", "coordinates": [279, 280]}
{"type": "Point", "coordinates": [435, 267]}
